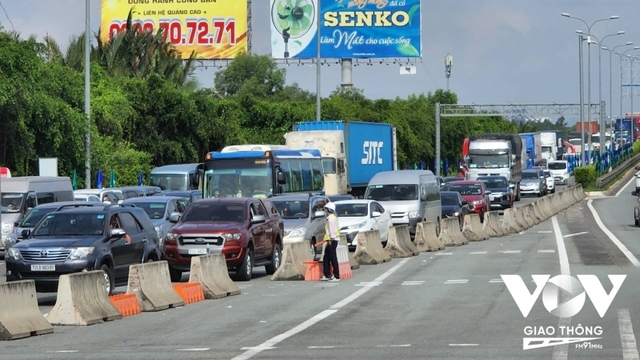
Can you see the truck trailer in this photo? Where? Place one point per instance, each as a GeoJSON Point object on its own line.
{"type": "Point", "coordinates": [533, 148]}
{"type": "Point", "coordinates": [353, 152]}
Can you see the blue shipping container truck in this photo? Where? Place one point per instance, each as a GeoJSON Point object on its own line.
{"type": "Point", "coordinates": [353, 152]}
{"type": "Point", "coordinates": [533, 148]}
{"type": "Point", "coordinates": [623, 129]}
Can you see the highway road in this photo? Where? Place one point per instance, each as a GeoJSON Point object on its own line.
{"type": "Point", "coordinates": [451, 304]}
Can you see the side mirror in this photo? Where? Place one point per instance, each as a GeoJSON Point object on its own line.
{"type": "Point", "coordinates": [634, 193]}
{"type": "Point", "coordinates": [257, 219]}
{"type": "Point", "coordinates": [512, 186]}
{"type": "Point", "coordinates": [174, 214]}
{"type": "Point", "coordinates": [376, 214]}
{"type": "Point", "coordinates": [281, 179]}
{"type": "Point", "coordinates": [487, 192]}
{"type": "Point", "coordinates": [423, 197]}
{"type": "Point", "coordinates": [464, 203]}
{"type": "Point", "coordinates": [25, 233]}
{"type": "Point", "coordinates": [16, 224]}
{"type": "Point", "coordinates": [117, 233]}
{"type": "Point", "coordinates": [318, 214]}
{"type": "Point", "coordinates": [174, 217]}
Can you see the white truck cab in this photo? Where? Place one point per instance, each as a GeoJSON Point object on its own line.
{"type": "Point", "coordinates": [560, 171]}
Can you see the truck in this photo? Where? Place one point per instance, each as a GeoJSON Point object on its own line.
{"type": "Point", "coordinates": [552, 144]}
{"type": "Point", "coordinates": [622, 129]}
{"type": "Point", "coordinates": [496, 154]}
{"type": "Point", "coordinates": [591, 127]}
{"type": "Point", "coordinates": [533, 149]}
{"type": "Point", "coordinates": [352, 152]}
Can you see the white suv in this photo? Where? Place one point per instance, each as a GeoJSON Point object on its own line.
{"type": "Point", "coordinates": [551, 184]}
{"type": "Point", "coordinates": [560, 171]}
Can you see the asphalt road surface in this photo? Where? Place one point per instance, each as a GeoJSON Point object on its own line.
{"type": "Point", "coordinates": [451, 304]}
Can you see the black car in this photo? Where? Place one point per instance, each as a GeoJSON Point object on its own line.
{"type": "Point", "coordinates": [449, 179]}
{"type": "Point", "coordinates": [453, 206]}
{"type": "Point", "coordinates": [501, 191]}
{"type": "Point", "coordinates": [71, 240]}
{"type": "Point", "coordinates": [189, 195]}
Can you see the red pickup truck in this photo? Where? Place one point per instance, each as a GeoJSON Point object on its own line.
{"type": "Point", "coordinates": [247, 231]}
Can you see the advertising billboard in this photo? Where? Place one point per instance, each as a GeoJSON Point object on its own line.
{"type": "Point", "coordinates": [349, 29]}
{"type": "Point", "coordinates": [214, 29]}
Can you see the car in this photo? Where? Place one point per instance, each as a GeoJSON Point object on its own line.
{"type": "Point", "coordinates": [560, 171]}
{"type": "Point", "coordinates": [551, 183]}
{"type": "Point", "coordinates": [355, 216]}
{"type": "Point", "coordinates": [475, 193]}
{"type": "Point", "coordinates": [303, 217]}
{"type": "Point", "coordinates": [334, 198]}
{"type": "Point", "coordinates": [139, 191]}
{"type": "Point", "coordinates": [636, 212]}
{"type": "Point", "coordinates": [159, 209]}
{"type": "Point", "coordinates": [86, 198]}
{"type": "Point", "coordinates": [453, 205]}
{"type": "Point", "coordinates": [37, 213]}
{"type": "Point", "coordinates": [502, 194]}
{"type": "Point", "coordinates": [449, 179]}
{"type": "Point", "coordinates": [189, 195]}
{"type": "Point", "coordinates": [75, 239]}
{"type": "Point", "coordinates": [114, 196]}
{"type": "Point", "coordinates": [637, 184]}
{"type": "Point", "coordinates": [247, 231]}
{"type": "Point", "coordinates": [533, 182]}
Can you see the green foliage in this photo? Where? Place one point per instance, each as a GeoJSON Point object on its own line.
{"type": "Point", "coordinates": [585, 175]}
{"type": "Point", "coordinates": [636, 147]}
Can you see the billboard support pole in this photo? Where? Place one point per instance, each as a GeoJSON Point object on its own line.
{"type": "Point", "coordinates": [318, 71]}
{"type": "Point", "coordinates": [347, 71]}
{"type": "Point", "coordinates": [249, 16]}
{"type": "Point", "coordinates": [87, 95]}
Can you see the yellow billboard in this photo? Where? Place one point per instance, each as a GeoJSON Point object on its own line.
{"type": "Point", "coordinates": [214, 29]}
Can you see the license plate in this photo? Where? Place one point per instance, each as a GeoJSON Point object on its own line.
{"type": "Point", "coordinates": [43, 268]}
{"type": "Point", "coordinates": [197, 251]}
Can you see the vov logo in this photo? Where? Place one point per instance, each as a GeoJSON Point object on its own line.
{"type": "Point", "coordinates": [576, 290]}
{"type": "Point", "coordinates": [371, 151]}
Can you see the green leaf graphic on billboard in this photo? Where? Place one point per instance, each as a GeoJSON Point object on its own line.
{"type": "Point", "coordinates": [412, 11]}
{"type": "Point", "coordinates": [408, 50]}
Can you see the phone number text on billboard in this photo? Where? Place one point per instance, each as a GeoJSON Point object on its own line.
{"type": "Point", "coordinates": [214, 30]}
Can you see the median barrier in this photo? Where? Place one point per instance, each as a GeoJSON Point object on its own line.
{"type": "Point", "coordinates": [544, 207]}
{"type": "Point", "coordinates": [211, 272]}
{"type": "Point", "coordinates": [20, 316]}
{"type": "Point", "coordinates": [529, 215]}
{"type": "Point", "coordinates": [509, 223]}
{"type": "Point", "coordinates": [399, 244]}
{"type": "Point", "coordinates": [3, 272]}
{"type": "Point", "coordinates": [535, 206]}
{"type": "Point", "coordinates": [352, 262]}
{"type": "Point", "coordinates": [420, 240]}
{"type": "Point", "coordinates": [579, 193]}
{"type": "Point", "coordinates": [451, 234]}
{"type": "Point", "coordinates": [151, 284]}
{"type": "Point", "coordinates": [472, 228]}
{"type": "Point", "coordinates": [83, 300]}
{"type": "Point", "coordinates": [492, 224]}
{"type": "Point", "coordinates": [369, 249]}
{"type": "Point", "coordinates": [427, 231]}
{"type": "Point", "coordinates": [293, 257]}
{"type": "Point", "coordinates": [520, 218]}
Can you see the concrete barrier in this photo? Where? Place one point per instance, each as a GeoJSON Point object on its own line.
{"type": "Point", "coordinates": [430, 234]}
{"type": "Point", "coordinates": [352, 261]}
{"type": "Point", "coordinates": [210, 271]}
{"type": "Point", "coordinates": [537, 210]}
{"type": "Point", "coordinates": [294, 254]}
{"type": "Point", "coordinates": [369, 250]}
{"type": "Point", "coordinates": [521, 218]}
{"type": "Point", "coordinates": [492, 224]}
{"type": "Point", "coordinates": [82, 300]}
{"type": "Point", "coordinates": [399, 244]}
{"type": "Point", "coordinates": [580, 195]}
{"type": "Point", "coordinates": [509, 223]}
{"type": "Point", "coordinates": [20, 316]}
{"type": "Point", "coordinates": [543, 206]}
{"type": "Point", "coordinates": [451, 234]}
{"type": "Point", "coordinates": [151, 284]}
{"type": "Point", "coordinates": [472, 228]}
{"type": "Point", "coordinates": [529, 215]}
{"type": "Point", "coordinates": [3, 272]}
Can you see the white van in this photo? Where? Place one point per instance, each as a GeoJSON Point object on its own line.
{"type": "Point", "coordinates": [21, 194]}
{"type": "Point", "coordinates": [411, 196]}
{"type": "Point", "coordinates": [560, 171]}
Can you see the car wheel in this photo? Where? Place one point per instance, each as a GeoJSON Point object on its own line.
{"type": "Point", "coordinates": [108, 278]}
{"type": "Point", "coordinates": [245, 271]}
{"type": "Point", "coordinates": [276, 258]}
{"type": "Point", "coordinates": [175, 274]}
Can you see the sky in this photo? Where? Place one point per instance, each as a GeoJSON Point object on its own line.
{"type": "Point", "coordinates": [504, 51]}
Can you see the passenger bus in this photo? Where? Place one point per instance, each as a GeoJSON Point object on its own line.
{"type": "Point", "coordinates": [179, 177]}
{"type": "Point", "coordinates": [262, 171]}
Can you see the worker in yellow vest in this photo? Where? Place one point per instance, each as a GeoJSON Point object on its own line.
{"type": "Point", "coordinates": [331, 237]}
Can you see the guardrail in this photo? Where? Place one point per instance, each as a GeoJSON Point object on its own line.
{"type": "Point", "coordinates": [620, 169]}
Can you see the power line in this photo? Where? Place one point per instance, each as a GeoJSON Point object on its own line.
{"type": "Point", "coordinates": [7, 15]}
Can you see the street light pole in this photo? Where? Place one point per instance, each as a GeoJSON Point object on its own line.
{"type": "Point", "coordinates": [87, 95]}
{"type": "Point", "coordinates": [583, 154]}
{"type": "Point", "coordinates": [631, 136]}
{"type": "Point", "coordinates": [318, 71]}
{"type": "Point", "coordinates": [611, 51]}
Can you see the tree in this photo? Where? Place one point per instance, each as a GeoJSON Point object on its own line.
{"type": "Point", "coordinates": [250, 76]}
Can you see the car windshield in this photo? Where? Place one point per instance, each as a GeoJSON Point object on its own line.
{"type": "Point", "coordinates": [65, 224]}
{"type": "Point", "coordinates": [466, 189]}
{"type": "Point", "coordinates": [575, 142]}
{"type": "Point", "coordinates": [155, 210]}
{"type": "Point", "coordinates": [34, 216]}
{"type": "Point", "coordinates": [352, 210]}
{"type": "Point", "coordinates": [392, 192]}
{"type": "Point", "coordinates": [170, 181]}
{"type": "Point", "coordinates": [557, 166]}
{"type": "Point", "coordinates": [547, 173]}
{"type": "Point", "coordinates": [530, 175]}
{"type": "Point", "coordinates": [292, 209]}
{"type": "Point", "coordinates": [495, 183]}
{"type": "Point", "coordinates": [450, 200]}
{"type": "Point", "coordinates": [12, 202]}
{"type": "Point", "coordinates": [214, 212]}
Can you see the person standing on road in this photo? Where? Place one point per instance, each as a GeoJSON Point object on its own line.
{"type": "Point", "coordinates": [331, 237]}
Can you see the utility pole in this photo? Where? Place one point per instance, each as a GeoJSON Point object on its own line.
{"type": "Point", "coordinates": [318, 71]}
{"type": "Point", "coordinates": [448, 61]}
{"type": "Point", "coordinates": [87, 94]}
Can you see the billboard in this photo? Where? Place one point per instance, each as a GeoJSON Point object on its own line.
{"type": "Point", "coordinates": [215, 29]}
{"type": "Point", "coordinates": [349, 29]}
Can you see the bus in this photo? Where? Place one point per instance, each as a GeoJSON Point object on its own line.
{"type": "Point", "coordinates": [178, 177]}
{"type": "Point", "coordinates": [262, 173]}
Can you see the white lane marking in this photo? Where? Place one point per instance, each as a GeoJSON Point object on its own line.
{"type": "Point", "coordinates": [463, 344]}
{"type": "Point", "coordinates": [412, 283]}
{"type": "Point", "coordinates": [550, 251]}
{"type": "Point", "coordinates": [561, 352]}
{"type": "Point", "coordinates": [575, 234]}
{"type": "Point", "coordinates": [195, 349]}
{"type": "Point", "coordinates": [458, 281]}
{"type": "Point", "coordinates": [442, 253]}
{"type": "Point", "coordinates": [399, 345]}
{"type": "Point", "coordinates": [322, 347]}
{"type": "Point", "coordinates": [478, 253]}
{"type": "Point", "coordinates": [545, 231]}
{"type": "Point", "coordinates": [613, 238]}
{"type": "Point", "coordinates": [625, 187]}
{"type": "Point", "coordinates": [511, 251]}
{"type": "Point", "coordinates": [317, 318]}
{"type": "Point", "coordinates": [63, 351]}
{"type": "Point", "coordinates": [261, 348]}
{"type": "Point", "coordinates": [496, 281]}
{"type": "Point", "coordinates": [629, 345]}
{"type": "Point", "coordinates": [370, 283]}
